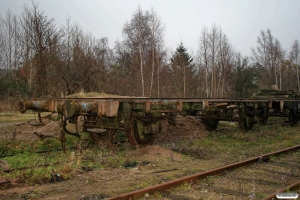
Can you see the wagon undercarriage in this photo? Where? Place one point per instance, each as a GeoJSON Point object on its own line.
{"type": "Point", "coordinates": [139, 118]}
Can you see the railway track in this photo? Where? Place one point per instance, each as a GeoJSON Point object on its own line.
{"type": "Point", "coordinates": [286, 171]}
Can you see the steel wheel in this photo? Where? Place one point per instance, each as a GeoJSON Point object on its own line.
{"type": "Point", "coordinates": [211, 124]}
{"type": "Point", "coordinates": [263, 120]}
{"type": "Point", "coordinates": [263, 117]}
{"type": "Point", "coordinates": [104, 137]}
{"type": "Point", "coordinates": [244, 126]}
{"type": "Point", "coordinates": [293, 120]}
{"type": "Point", "coordinates": [137, 137]}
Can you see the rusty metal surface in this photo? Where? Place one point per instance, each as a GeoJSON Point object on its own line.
{"type": "Point", "coordinates": [112, 108]}
{"type": "Point", "coordinates": [199, 176]}
{"type": "Point", "coordinates": [108, 106]}
{"type": "Point", "coordinates": [291, 187]}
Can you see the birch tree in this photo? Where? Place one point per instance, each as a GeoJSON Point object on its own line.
{"type": "Point", "coordinates": [136, 33]}
{"type": "Point", "coordinates": [2, 42]}
{"type": "Point", "coordinates": [225, 56]}
{"type": "Point", "coordinates": [270, 55]}
{"type": "Point", "coordinates": [213, 48]}
{"type": "Point", "coordinates": [203, 57]}
{"type": "Point", "coordinates": [294, 57]}
{"type": "Point", "coordinates": [157, 40]}
{"type": "Point", "coordinates": [215, 55]}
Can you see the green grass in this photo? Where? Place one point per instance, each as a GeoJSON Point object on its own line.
{"type": "Point", "coordinates": [228, 144]}
{"type": "Point", "coordinates": [234, 145]}
{"type": "Point", "coordinates": [31, 168]}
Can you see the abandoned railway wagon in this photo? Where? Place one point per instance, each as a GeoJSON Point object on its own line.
{"type": "Point", "coordinates": [140, 118]}
{"type": "Point", "coordinates": [248, 112]}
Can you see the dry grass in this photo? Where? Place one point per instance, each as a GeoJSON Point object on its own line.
{"type": "Point", "coordinates": [16, 116]}
{"type": "Point", "coordinates": [9, 104]}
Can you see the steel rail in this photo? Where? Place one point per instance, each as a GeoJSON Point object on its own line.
{"type": "Point", "coordinates": [164, 186]}
{"type": "Point", "coordinates": [293, 186]}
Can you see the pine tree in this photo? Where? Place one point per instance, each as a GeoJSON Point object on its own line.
{"type": "Point", "coordinates": [182, 62]}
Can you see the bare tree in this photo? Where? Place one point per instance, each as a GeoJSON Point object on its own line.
{"type": "Point", "coordinates": [156, 38]}
{"type": "Point", "coordinates": [161, 60]}
{"type": "Point", "coordinates": [10, 53]}
{"type": "Point", "coordinates": [136, 33]}
{"type": "Point", "coordinates": [215, 61]}
{"type": "Point", "coordinates": [2, 42]}
{"type": "Point", "coordinates": [225, 57]}
{"type": "Point", "coordinates": [11, 35]}
{"type": "Point", "coordinates": [270, 55]}
{"type": "Point", "coordinates": [40, 34]}
{"type": "Point", "coordinates": [80, 60]}
{"type": "Point", "coordinates": [213, 44]}
{"type": "Point", "coordinates": [63, 68]}
{"type": "Point", "coordinates": [294, 57]}
{"type": "Point", "coordinates": [203, 57]}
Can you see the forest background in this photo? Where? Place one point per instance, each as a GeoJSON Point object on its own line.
{"type": "Point", "coordinates": [41, 58]}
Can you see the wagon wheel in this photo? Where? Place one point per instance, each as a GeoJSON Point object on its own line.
{"type": "Point", "coordinates": [137, 137]}
{"type": "Point", "coordinates": [293, 118]}
{"type": "Point", "coordinates": [244, 126]}
{"type": "Point", "coordinates": [211, 124]}
{"type": "Point", "coordinates": [263, 119]}
{"type": "Point", "coordinates": [102, 136]}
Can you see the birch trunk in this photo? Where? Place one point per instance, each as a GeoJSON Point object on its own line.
{"type": "Point", "coordinates": [142, 72]}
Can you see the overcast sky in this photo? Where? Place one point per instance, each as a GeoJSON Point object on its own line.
{"type": "Point", "coordinates": [240, 20]}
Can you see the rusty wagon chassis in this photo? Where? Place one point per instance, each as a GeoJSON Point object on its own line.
{"type": "Point", "coordinates": [140, 118]}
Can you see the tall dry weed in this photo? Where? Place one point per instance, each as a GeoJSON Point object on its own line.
{"type": "Point", "coordinates": [9, 104]}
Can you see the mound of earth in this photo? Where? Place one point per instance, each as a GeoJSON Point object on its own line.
{"type": "Point", "coordinates": [155, 153]}
{"type": "Point", "coordinates": [188, 127]}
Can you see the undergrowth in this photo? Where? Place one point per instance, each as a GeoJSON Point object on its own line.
{"type": "Point", "coordinates": [32, 163]}
{"type": "Point", "coordinates": [232, 145]}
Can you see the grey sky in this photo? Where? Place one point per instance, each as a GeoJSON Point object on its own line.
{"type": "Point", "coordinates": [240, 20]}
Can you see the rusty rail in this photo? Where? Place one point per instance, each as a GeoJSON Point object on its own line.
{"type": "Point", "coordinates": [293, 186]}
{"type": "Point", "coordinates": [165, 186]}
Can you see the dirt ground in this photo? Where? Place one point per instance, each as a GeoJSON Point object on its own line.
{"type": "Point", "coordinates": [155, 164]}
{"type": "Point", "coordinates": [29, 130]}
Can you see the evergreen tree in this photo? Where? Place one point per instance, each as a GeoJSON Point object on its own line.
{"type": "Point", "coordinates": [182, 68]}
{"type": "Point", "coordinates": [245, 78]}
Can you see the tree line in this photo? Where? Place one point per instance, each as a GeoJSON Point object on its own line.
{"type": "Point", "coordinates": [40, 58]}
